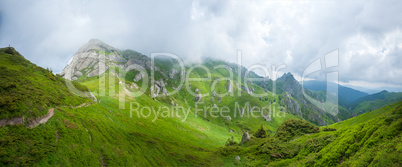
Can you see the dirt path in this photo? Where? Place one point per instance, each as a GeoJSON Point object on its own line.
{"type": "Point", "coordinates": [32, 123]}
{"type": "Point", "coordinates": [43, 119]}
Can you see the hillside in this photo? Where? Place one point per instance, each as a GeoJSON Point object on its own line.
{"type": "Point", "coordinates": [28, 90]}
{"type": "Point", "coordinates": [371, 139]}
{"type": "Point", "coordinates": [225, 80]}
{"type": "Point", "coordinates": [136, 112]}
{"type": "Point", "coordinates": [83, 132]}
{"type": "Point", "coordinates": [292, 97]}
{"type": "Point", "coordinates": [93, 133]}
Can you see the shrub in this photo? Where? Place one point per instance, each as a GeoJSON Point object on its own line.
{"type": "Point", "coordinates": [329, 129]}
{"type": "Point", "coordinates": [230, 142]}
{"type": "Point", "coordinates": [9, 50]}
{"type": "Point", "coordinates": [293, 127]}
{"type": "Point", "coordinates": [261, 133]}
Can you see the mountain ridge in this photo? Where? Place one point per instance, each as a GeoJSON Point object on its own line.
{"type": "Point", "coordinates": [163, 84]}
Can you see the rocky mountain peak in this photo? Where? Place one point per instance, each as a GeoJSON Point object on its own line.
{"type": "Point", "coordinates": [285, 76]}
{"type": "Point", "coordinates": [95, 57]}
{"type": "Point", "coordinates": [96, 44]}
{"type": "Point", "coordinates": [87, 60]}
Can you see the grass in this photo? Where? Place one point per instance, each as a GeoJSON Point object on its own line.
{"type": "Point", "coordinates": [106, 133]}
{"type": "Point", "coordinates": [28, 90]}
{"type": "Point", "coordinates": [371, 139]}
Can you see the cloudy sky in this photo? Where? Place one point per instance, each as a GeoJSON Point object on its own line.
{"type": "Point", "coordinates": [367, 34]}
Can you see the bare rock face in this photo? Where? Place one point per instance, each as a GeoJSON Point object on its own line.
{"type": "Point", "coordinates": [292, 105]}
{"type": "Point", "coordinates": [241, 111]}
{"type": "Point", "coordinates": [95, 57]}
{"type": "Point", "coordinates": [248, 89]}
{"type": "Point", "coordinates": [139, 62]}
{"type": "Point", "coordinates": [229, 86]}
{"type": "Point", "coordinates": [198, 97]}
{"type": "Point", "coordinates": [92, 59]}
{"type": "Point", "coordinates": [139, 76]}
{"type": "Point", "coordinates": [173, 73]}
{"type": "Point", "coordinates": [12, 121]}
{"type": "Point", "coordinates": [245, 137]}
{"type": "Point", "coordinates": [158, 87]}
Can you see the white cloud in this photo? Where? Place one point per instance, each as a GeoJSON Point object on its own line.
{"type": "Point", "coordinates": [267, 32]}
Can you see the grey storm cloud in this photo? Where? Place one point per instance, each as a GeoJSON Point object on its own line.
{"type": "Point", "coordinates": [367, 34]}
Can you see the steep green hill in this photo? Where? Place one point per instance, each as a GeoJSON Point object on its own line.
{"type": "Point", "coordinates": [292, 97]}
{"type": "Point", "coordinates": [29, 90]}
{"type": "Point", "coordinates": [93, 133]}
{"type": "Point", "coordinates": [82, 132]}
{"type": "Point", "coordinates": [371, 139]}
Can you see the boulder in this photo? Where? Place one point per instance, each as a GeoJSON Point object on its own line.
{"type": "Point", "coordinates": [172, 73]}
{"type": "Point", "coordinates": [139, 76]}
{"type": "Point", "coordinates": [198, 97]}
{"type": "Point", "coordinates": [267, 118]}
{"type": "Point", "coordinates": [245, 137]}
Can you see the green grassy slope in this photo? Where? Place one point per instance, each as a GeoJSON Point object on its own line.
{"type": "Point", "coordinates": [371, 139]}
{"type": "Point", "coordinates": [103, 134]}
{"type": "Point", "coordinates": [28, 90]}
{"type": "Point", "coordinates": [96, 134]}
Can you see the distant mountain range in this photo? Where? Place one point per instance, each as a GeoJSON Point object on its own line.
{"type": "Point", "coordinates": [346, 95]}
{"type": "Point", "coordinates": [375, 90]}
{"type": "Point", "coordinates": [353, 102]}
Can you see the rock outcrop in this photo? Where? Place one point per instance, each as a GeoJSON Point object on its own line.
{"type": "Point", "coordinates": [245, 137]}
{"type": "Point", "coordinates": [12, 121]}
{"type": "Point", "coordinates": [95, 57]}
{"type": "Point", "coordinates": [290, 87]}
{"type": "Point", "coordinates": [173, 73]}
{"type": "Point", "coordinates": [292, 105]}
{"type": "Point", "coordinates": [92, 59]}
{"type": "Point", "coordinates": [229, 86]}
{"type": "Point", "coordinates": [198, 97]}
{"type": "Point", "coordinates": [267, 118]}
{"type": "Point", "coordinates": [157, 88]}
